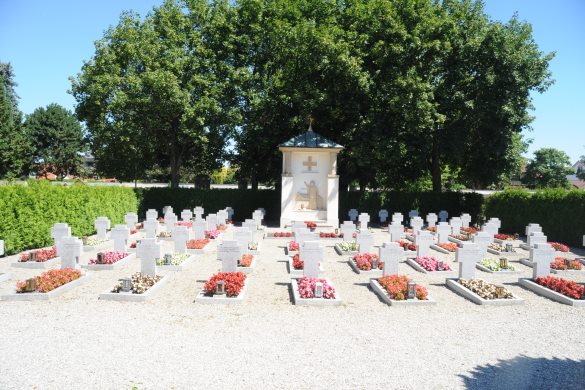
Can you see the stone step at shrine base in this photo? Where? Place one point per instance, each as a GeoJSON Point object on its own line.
{"type": "Point", "coordinates": [317, 216]}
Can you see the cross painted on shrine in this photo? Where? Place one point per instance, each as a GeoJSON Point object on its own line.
{"type": "Point", "coordinates": [310, 163]}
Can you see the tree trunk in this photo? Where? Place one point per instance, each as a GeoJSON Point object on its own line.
{"type": "Point", "coordinates": [254, 180]}
{"type": "Point", "coordinates": [436, 164]}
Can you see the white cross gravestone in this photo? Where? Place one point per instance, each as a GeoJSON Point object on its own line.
{"type": "Point", "coordinates": [1, 247]}
{"type": "Point", "coordinates": [151, 214]}
{"type": "Point", "coordinates": [302, 236]}
{"type": "Point", "coordinates": [131, 220]}
{"type": "Point", "coordinates": [198, 212]}
{"type": "Point", "coordinates": [483, 241]}
{"type": "Point", "coordinates": [531, 228]}
{"type": "Point", "coordinates": [72, 249]}
{"type": "Point", "coordinates": [467, 256]}
{"type": "Point", "coordinates": [443, 232]}
{"type": "Point", "coordinates": [211, 221]}
{"type": "Point", "coordinates": [347, 229]}
{"type": "Point", "coordinates": [58, 232]}
{"type": "Point", "coordinates": [536, 238]}
{"type": "Point", "coordinates": [397, 217]}
{"type": "Point", "coordinates": [180, 238]}
{"type": "Point", "coordinates": [263, 212]}
{"type": "Point", "coordinates": [416, 223]}
{"type": "Point", "coordinates": [167, 209]}
{"type": "Point", "coordinates": [490, 228]}
{"type": "Point", "coordinates": [423, 242]}
{"type": "Point", "coordinates": [364, 219]}
{"type": "Point", "coordinates": [244, 237]}
{"type": "Point", "coordinates": [230, 212]}
{"type": "Point", "coordinates": [186, 215]}
{"type": "Point", "coordinates": [229, 252]}
{"type": "Point", "coordinates": [455, 224]}
{"type": "Point", "coordinates": [148, 250]}
{"type": "Point", "coordinates": [150, 228]}
{"type": "Point", "coordinates": [541, 255]}
{"type": "Point", "coordinates": [396, 231]}
{"type": "Point", "coordinates": [170, 221]}
{"type": "Point", "coordinates": [443, 216]}
{"type": "Point", "coordinates": [383, 214]}
{"type": "Point", "coordinates": [120, 234]}
{"type": "Point", "coordinates": [311, 254]}
{"type": "Point", "coordinates": [222, 217]}
{"type": "Point", "coordinates": [102, 224]}
{"type": "Point", "coordinates": [412, 213]}
{"type": "Point", "coordinates": [257, 216]}
{"type": "Point", "coordinates": [432, 219]}
{"type": "Point", "coordinates": [365, 240]}
{"type": "Point", "coordinates": [465, 220]}
{"type": "Point", "coordinates": [251, 224]}
{"type": "Point", "coordinates": [199, 228]}
{"type": "Point", "coordinates": [352, 214]}
{"type": "Point", "coordinates": [390, 253]}
{"type": "Point", "coordinates": [496, 222]}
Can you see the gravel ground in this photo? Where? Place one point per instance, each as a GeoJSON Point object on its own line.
{"type": "Point", "coordinates": [78, 341]}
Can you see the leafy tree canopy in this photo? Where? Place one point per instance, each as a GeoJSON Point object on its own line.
{"type": "Point", "coordinates": [548, 168]}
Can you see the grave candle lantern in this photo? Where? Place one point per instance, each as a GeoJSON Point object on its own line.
{"type": "Point", "coordinates": [31, 285]}
{"type": "Point", "coordinates": [567, 262]}
{"type": "Point", "coordinates": [32, 256]}
{"type": "Point", "coordinates": [516, 236]}
{"type": "Point", "coordinates": [411, 290]}
{"type": "Point", "coordinates": [100, 258]}
{"type": "Point", "coordinates": [220, 287]}
{"type": "Point", "coordinates": [440, 265]}
{"type": "Point", "coordinates": [500, 291]}
{"type": "Point", "coordinates": [509, 247]}
{"type": "Point", "coordinates": [319, 290]}
{"type": "Point", "coordinates": [374, 263]}
{"type": "Point", "coordinates": [126, 284]}
{"type": "Point", "coordinates": [503, 262]}
{"type": "Point", "coordinates": [168, 258]}
{"type": "Point", "coordinates": [84, 240]}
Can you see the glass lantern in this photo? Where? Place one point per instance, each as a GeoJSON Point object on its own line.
{"type": "Point", "coordinates": [220, 287]}
{"type": "Point", "coordinates": [500, 291]}
{"type": "Point", "coordinates": [126, 284]}
{"type": "Point", "coordinates": [319, 290]}
{"type": "Point", "coordinates": [168, 258]}
{"type": "Point", "coordinates": [509, 247]}
{"type": "Point", "coordinates": [516, 236]}
{"type": "Point", "coordinates": [503, 263]}
{"type": "Point", "coordinates": [100, 258]}
{"type": "Point", "coordinates": [31, 285]}
{"type": "Point", "coordinates": [32, 256]}
{"type": "Point", "coordinates": [374, 263]}
{"type": "Point", "coordinates": [411, 290]}
{"type": "Point", "coordinates": [440, 265]}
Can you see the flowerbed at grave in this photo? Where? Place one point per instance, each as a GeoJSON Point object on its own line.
{"type": "Point", "coordinates": [460, 237]}
{"type": "Point", "coordinates": [470, 230]}
{"type": "Point", "coordinates": [431, 264]}
{"type": "Point", "coordinates": [407, 245]}
{"type": "Point", "coordinates": [197, 244]}
{"type": "Point", "coordinates": [41, 255]}
{"type": "Point", "coordinates": [504, 237]}
{"type": "Point", "coordinates": [293, 246]}
{"type": "Point", "coordinates": [397, 287]}
{"type": "Point", "coordinates": [499, 247]}
{"type": "Point", "coordinates": [449, 246]}
{"type": "Point", "coordinates": [176, 259]}
{"type": "Point", "coordinates": [364, 261]}
{"type": "Point", "coordinates": [93, 241]}
{"type": "Point", "coordinates": [432, 229]}
{"type": "Point", "coordinates": [246, 260]}
{"type": "Point", "coordinates": [253, 246]}
{"type": "Point", "coordinates": [349, 246]}
{"type": "Point", "coordinates": [133, 231]}
{"type": "Point", "coordinates": [164, 235]}
{"type": "Point", "coordinates": [559, 247]}
{"type": "Point", "coordinates": [563, 286]}
{"type": "Point", "coordinates": [133, 245]}
{"type": "Point", "coordinates": [311, 225]}
{"type": "Point", "coordinates": [307, 288]}
{"type": "Point", "coordinates": [221, 228]}
{"type": "Point", "coordinates": [109, 258]}
{"type": "Point", "coordinates": [139, 225]}
{"type": "Point", "coordinates": [485, 289]}
{"type": "Point", "coordinates": [140, 283]}
{"type": "Point", "coordinates": [297, 263]}
{"type": "Point", "coordinates": [494, 265]}
{"type": "Point", "coordinates": [50, 280]}
{"type": "Point", "coordinates": [328, 235]}
{"type": "Point", "coordinates": [282, 234]}
{"type": "Point", "coordinates": [212, 234]}
{"type": "Point", "coordinates": [187, 224]}
{"type": "Point", "coordinates": [233, 283]}
{"type": "Point", "coordinates": [560, 264]}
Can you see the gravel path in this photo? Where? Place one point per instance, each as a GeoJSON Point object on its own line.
{"type": "Point", "coordinates": [78, 341]}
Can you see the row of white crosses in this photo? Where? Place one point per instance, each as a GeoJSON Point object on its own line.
{"type": "Point", "coordinates": [59, 231]}
{"type": "Point", "coordinates": [492, 226]}
{"type": "Point", "coordinates": [244, 237]}
{"type": "Point", "coordinates": [102, 225]}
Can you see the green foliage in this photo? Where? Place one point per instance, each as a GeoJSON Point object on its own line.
{"type": "Point", "coordinates": [29, 211]}
{"type": "Point", "coordinates": [57, 139]}
{"type": "Point", "coordinates": [560, 212]}
{"type": "Point", "coordinates": [581, 169]}
{"type": "Point", "coordinates": [548, 168]}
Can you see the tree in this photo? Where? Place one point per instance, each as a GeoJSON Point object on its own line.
{"type": "Point", "coordinates": [548, 168]}
{"type": "Point", "coordinates": [154, 91]}
{"type": "Point", "coordinates": [57, 139]}
{"type": "Point", "coordinates": [581, 168]}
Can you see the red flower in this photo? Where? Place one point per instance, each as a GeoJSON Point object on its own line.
{"type": "Point", "coordinates": [397, 287]}
{"type": "Point", "coordinates": [562, 286]}
{"type": "Point", "coordinates": [364, 261]}
{"type": "Point", "coordinates": [297, 263]}
{"type": "Point", "coordinates": [234, 282]}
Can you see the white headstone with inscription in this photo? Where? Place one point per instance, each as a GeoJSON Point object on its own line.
{"type": "Point", "coordinates": [151, 228]}
{"type": "Point", "coordinates": [455, 224]}
{"type": "Point", "coordinates": [72, 249]}
{"type": "Point", "coordinates": [347, 229]}
{"type": "Point", "coordinates": [398, 217]}
{"type": "Point", "coordinates": [120, 234]}
{"type": "Point", "coordinates": [364, 219]}
{"type": "Point", "coordinates": [432, 219]}
{"type": "Point", "coordinates": [148, 250]}
{"type": "Point", "coordinates": [541, 255]}
{"type": "Point", "coordinates": [131, 220]}
{"type": "Point", "coordinates": [58, 232]}
{"type": "Point", "coordinates": [151, 214]}
{"type": "Point", "coordinates": [390, 254]}
{"type": "Point", "coordinates": [443, 232]}
{"type": "Point", "coordinates": [365, 240]}
{"type": "Point", "coordinates": [465, 220]}
{"type": "Point", "coordinates": [180, 238]}
{"type": "Point", "coordinates": [198, 212]}
{"type": "Point", "coordinates": [416, 223]}
{"type": "Point", "coordinates": [311, 254]}
{"type": "Point", "coordinates": [396, 230]}
{"type": "Point", "coordinates": [483, 241]}
{"type": "Point", "coordinates": [186, 215]}
{"type": "Point", "coordinates": [230, 253]}
{"type": "Point", "coordinates": [467, 256]}
{"type": "Point", "coordinates": [102, 224]}
{"type": "Point", "coordinates": [423, 242]}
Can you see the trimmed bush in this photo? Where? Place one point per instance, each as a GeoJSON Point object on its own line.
{"type": "Point", "coordinates": [27, 212]}
{"type": "Point", "coordinates": [561, 213]}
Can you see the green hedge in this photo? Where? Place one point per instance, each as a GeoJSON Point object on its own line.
{"type": "Point", "coordinates": [561, 213]}
{"type": "Point", "coordinates": [27, 212]}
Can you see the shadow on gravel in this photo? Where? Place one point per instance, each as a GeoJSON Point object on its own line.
{"type": "Point", "coordinates": [288, 288]}
{"type": "Point", "coordinates": [523, 372]}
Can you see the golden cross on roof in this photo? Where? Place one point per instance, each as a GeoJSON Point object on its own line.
{"type": "Point", "coordinates": [310, 121]}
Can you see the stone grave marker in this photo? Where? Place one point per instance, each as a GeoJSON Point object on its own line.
{"type": "Point", "coordinates": [199, 228]}
{"type": "Point", "coordinates": [222, 217]}
{"type": "Point", "coordinates": [311, 254]}
{"type": "Point", "coordinates": [383, 215]}
{"type": "Point", "coordinates": [298, 225]}
{"type": "Point", "coordinates": [364, 219]}
{"type": "Point", "coordinates": [257, 216]}
{"type": "Point", "coordinates": [347, 229]}
{"type": "Point", "coordinates": [148, 250]}
{"type": "Point", "coordinates": [58, 232]}
{"type": "Point", "coordinates": [465, 220]}
{"type": "Point", "coordinates": [390, 253]}
{"type": "Point", "coordinates": [397, 217]}
{"type": "Point", "coordinates": [483, 241]}
{"type": "Point", "coordinates": [352, 214]}
{"type": "Point", "coordinates": [120, 234]}
{"type": "Point", "coordinates": [186, 215]}
{"type": "Point", "coordinates": [490, 228]}
{"type": "Point", "coordinates": [443, 232]}
{"type": "Point", "coordinates": [396, 231]}
{"type": "Point", "coordinates": [244, 237]}
{"type": "Point", "coordinates": [102, 224]}
{"type": "Point", "coordinates": [302, 236]}
{"type": "Point", "coordinates": [416, 223]}
{"type": "Point", "coordinates": [412, 214]}
{"type": "Point", "coordinates": [455, 224]}
{"type": "Point", "coordinates": [170, 221]}
{"type": "Point", "coordinates": [365, 240]}
{"type": "Point", "coordinates": [131, 220]}
{"type": "Point", "coordinates": [72, 249]}
{"type": "Point", "coordinates": [230, 253]}
{"type": "Point", "coordinates": [251, 224]}
{"type": "Point", "coordinates": [198, 212]}
{"type": "Point", "coordinates": [532, 227]}
{"type": "Point", "coordinates": [150, 228]}
{"type": "Point", "coordinates": [230, 212]}
{"type": "Point", "coordinates": [536, 238]}
{"type": "Point", "coordinates": [541, 255]}
{"type": "Point", "coordinates": [496, 222]}
{"type": "Point", "coordinates": [167, 209]}
{"type": "Point", "coordinates": [443, 216]}
{"type": "Point", "coordinates": [211, 221]}
{"type": "Point", "coordinates": [180, 238]}
{"type": "Point", "coordinates": [423, 242]}
{"type": "Point", "coordinates": [151, 214]}
{"type": "Point", "coordinates": [432, 219]}
{"type": "Point", "coordinates": [467, 256]}
{"type": "Point", "coordinates": [263, 212]}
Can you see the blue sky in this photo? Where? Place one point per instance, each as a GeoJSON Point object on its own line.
{"type": "Point", "coordinates": [47, 41]}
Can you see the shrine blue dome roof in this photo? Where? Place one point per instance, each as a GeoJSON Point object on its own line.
{"type": "Point", "coordinates": [310, 139]}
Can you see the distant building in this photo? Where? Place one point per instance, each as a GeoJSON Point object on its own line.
{"type": "Point", "coordinates": [573, 179]}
